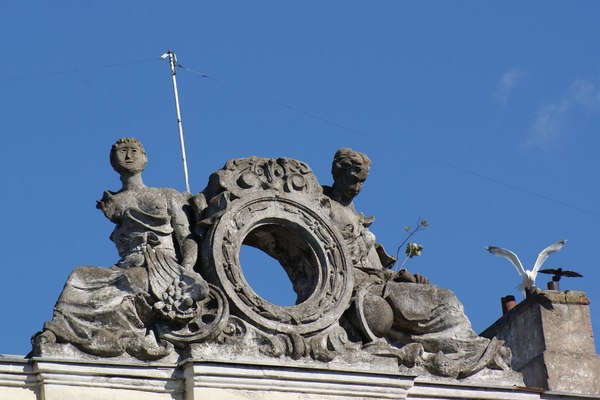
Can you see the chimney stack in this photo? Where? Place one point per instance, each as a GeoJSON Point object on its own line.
{"type": "Point", "coordinates": [550, 335]}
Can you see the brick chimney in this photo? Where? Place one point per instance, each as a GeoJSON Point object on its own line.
{"type": "Point", "coordinates": [550, 335]}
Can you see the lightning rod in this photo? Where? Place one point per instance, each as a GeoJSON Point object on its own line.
{"type": "Point", "coordinates": [172, 62]}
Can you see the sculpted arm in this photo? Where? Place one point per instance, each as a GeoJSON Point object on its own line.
{"type": "Point", "coordinates": [405, 276]}
{"type": "Point", "coordinates": [180, 221]}
{"type": "Point", "coordinates": [107, 205]}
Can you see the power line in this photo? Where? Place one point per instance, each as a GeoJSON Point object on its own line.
{"type": "Point", "coordinates": [70, 71]}
{"type": "Point", "coordinates": [322, 119]}
{"type": "Point", "coordinates": [387, 143]}
{"type": "Point", "coordinates": [279, 103]}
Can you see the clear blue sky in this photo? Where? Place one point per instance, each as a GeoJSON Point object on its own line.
{"type": "Point", "coordinates": [482, 117]}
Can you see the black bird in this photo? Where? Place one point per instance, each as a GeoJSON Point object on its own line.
{"type": "Point", "coordinates": [559, 273]}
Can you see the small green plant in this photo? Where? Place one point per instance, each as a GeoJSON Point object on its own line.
{"type": "Point", "coordinates": [412, 249]}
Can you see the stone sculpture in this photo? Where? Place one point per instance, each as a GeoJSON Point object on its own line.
{"type": "Point", "coordinates": [160, 297]}
{"type": "Point", "coordinates": [152, 293]}
{"type": "Point", "coordinates": [427, 323]}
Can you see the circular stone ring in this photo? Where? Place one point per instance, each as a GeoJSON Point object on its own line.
{"type": "Point", "coordinates": [307, 244]}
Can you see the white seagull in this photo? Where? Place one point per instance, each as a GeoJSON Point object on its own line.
{"type": "Point", "coordinates": [527, 276]}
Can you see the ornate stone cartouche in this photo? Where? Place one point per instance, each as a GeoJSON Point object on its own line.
{"type": "Point", "coordinates": [179, 284]}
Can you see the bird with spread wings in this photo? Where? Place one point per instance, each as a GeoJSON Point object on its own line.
{"type": "Point", "coordinates": [527, 276]}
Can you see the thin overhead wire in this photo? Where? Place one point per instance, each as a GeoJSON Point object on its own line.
{"type": "Point", "coordinates": [324, 120]}
{"type": "Point", "coordinates": [391, 144]}
{"type": "Point", "coordinates": [279, 103]}
{"type": "Point", "coordinates": [70, 71]}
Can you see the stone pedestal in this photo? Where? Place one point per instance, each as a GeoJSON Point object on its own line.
{"type": "Point", "coordinates": [209, 380]}
{"type": "Point", "coordinates": [17, 380]}
{"type": "Point", "coordinates": [550, 335]}
{"type": "Point", "coordinates": [60, 380]}
{"type": "Point", "coordinates": [195, 378]}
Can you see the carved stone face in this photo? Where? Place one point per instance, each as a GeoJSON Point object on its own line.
{"type": "Point", "coordinates": [128, 157]}
{"type": "Point", "coordinates": [350, 176]}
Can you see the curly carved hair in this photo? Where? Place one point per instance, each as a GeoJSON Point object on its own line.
{"type": "Point", "coordinates": [129, 141]}
{"type": "Point", "coordinates": [355, 157]}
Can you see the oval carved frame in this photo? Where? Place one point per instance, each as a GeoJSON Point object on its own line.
{"type": "Point", "coordinates": [332, 279]}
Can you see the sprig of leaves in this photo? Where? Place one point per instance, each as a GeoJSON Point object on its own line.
{"type": "Point", "coordinates": [412, 249]}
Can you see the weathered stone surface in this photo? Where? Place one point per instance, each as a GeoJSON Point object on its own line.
{"type": "Point", "coordinates": [17, 380]}
{"type": "Point", "coordinates": [550, 335]}
{"type": "Point", "coordinates": [429, 326]}
{"type": "Point", "coordinates": [152, 299]}
{"type": "Point", "coordinates": [77, 379]}
{"type": "Point", "coordinates": [247, 381]}
{"type": "Point", "coordinates": [195, 378]}
{"type": "Point", "coordinates": [161, 301]}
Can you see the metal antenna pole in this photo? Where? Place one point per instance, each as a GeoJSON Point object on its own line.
{"type": "Point", "coordinates": [173, 61]}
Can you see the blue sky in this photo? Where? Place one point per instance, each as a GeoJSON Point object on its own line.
{"type": "Point", "coordinates": [481, 117]}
